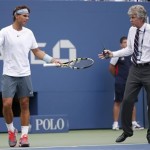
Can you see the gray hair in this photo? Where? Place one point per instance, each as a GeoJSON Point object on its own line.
{"type": "Point", "coordinates": [139, 11]}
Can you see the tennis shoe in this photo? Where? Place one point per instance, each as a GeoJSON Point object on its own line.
{"type": "Point", "coordinates": [12, 138]}
{"type": "Point", "coordinates": [115, 126]}
{"type": "Point", "coordinates": [136, 126]}
{"type": "Point", "coordinates": [24, 141]}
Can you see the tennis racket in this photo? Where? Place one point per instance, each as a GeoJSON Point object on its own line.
{"type": "Point", "coordinates": [78, 63]}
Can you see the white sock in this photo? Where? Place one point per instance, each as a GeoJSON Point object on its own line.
{"type": "Point", "coordinates": [133, 122]}
{"type": "Point", "coordinates": [10, 127]}
{"type": "Point", "coordinates": [24, 130]}
{"type": "Point", "coordinates": [116, 122]}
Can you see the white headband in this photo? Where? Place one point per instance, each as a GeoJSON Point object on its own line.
{"type": "Point", "coordinates": [22, 11]}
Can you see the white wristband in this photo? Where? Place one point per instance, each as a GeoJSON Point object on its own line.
{"type": "Point", "coordinates": [47, 58]}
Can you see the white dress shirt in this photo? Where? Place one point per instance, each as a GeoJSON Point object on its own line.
{"type": "Point", "coordinates": [144, 47]}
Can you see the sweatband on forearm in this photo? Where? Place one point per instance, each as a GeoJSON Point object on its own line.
{"type": "Point", "coordinates": [47, 58]}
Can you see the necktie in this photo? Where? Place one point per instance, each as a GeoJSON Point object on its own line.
{"type": "Point", "coordinates": [136, 43]}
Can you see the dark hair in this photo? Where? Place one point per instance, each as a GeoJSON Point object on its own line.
{"type": "Point", "coordinates": [123, 38]}
{"type": "Point", "coordinates": [18, 8]}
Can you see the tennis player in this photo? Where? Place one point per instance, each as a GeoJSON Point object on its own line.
{"type": "Point", "coordinates": [17, 41]}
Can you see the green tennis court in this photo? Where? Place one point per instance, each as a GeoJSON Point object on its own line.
{"type": "Point", "coordinates": [79, 139]}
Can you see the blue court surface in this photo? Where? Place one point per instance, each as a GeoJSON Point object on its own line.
{"type": "Point", "coordinates": [106, 147]}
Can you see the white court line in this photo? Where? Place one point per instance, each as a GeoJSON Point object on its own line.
{"type": "Point", "coordinates": [76, 146]}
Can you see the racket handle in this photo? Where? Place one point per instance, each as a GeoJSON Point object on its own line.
{"type": "Point", "coordinates": [50, 64]}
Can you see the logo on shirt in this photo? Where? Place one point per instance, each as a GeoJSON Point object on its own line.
{"type": "Point", "coordinates": [122, 58]}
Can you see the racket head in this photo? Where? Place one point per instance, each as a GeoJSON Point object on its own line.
{"type": "Point", "coordinates": [79, 63]}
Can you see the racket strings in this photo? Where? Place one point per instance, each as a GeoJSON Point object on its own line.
{"type": "Point", "coordinates": [81, 63]}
